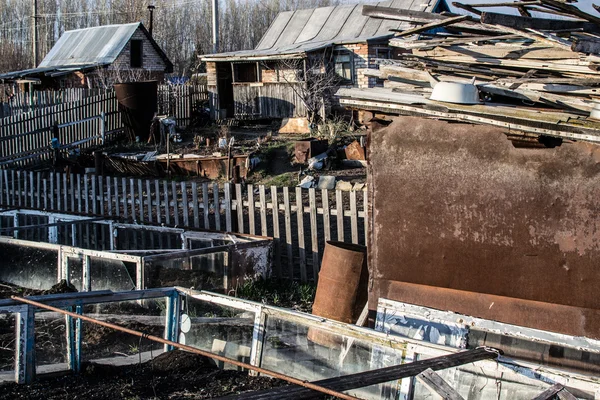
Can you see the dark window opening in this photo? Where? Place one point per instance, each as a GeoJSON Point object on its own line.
{"type": "Point", "coordinates": [383, 53]}
{"type": "Point", "coordinates": [245, 72]}
{"type": "Point", "coordinates": [343, 66]}
{"type": "Point", "coordinates": [136, 54]}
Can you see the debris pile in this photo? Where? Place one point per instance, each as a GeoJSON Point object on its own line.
{"type": "Point", "coordinates": [516, 62]}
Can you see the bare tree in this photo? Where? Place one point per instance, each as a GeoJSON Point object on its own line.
{"type": "Point", "coordinates": [313, 80]}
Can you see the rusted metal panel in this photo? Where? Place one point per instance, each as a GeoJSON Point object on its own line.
{"type": "Point", "coordinates": [459, 207]}
{"type": "Point", "coordinates": [354, 151]}
{"type": "Point", "coordinates": [307, 148]}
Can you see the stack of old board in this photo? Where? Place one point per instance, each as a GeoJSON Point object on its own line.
{"type": "Point", "coordinates": [537, 77]}
{"type": "Point", "coordinates": [550, 61]}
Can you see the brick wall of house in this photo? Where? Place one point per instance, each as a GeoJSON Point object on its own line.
{"type": "Point", "coordinates": [152, 61]}
{"type": "Point", "coordinates": [365, 56]}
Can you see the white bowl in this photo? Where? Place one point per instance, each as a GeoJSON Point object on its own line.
{"type": "Point", "coordinates": [455, 92]}
{"type": "Point", "coordinates": [595, 113]}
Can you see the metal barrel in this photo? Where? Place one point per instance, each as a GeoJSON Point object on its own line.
{"type": "Point", "coordinates": [342, 288]}
{"type": "Point", "coordinates": [138, 102]}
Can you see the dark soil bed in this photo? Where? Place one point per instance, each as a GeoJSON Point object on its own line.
{"type": "Point", "coordinates": [173, 375]}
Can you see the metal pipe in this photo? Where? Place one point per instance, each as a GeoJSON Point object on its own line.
{"type": "Point", "coordinates": [194, 350]}
{"type": "Point", "coordinates": [215, 25]}
{"type": "Point", "coordinates": [151, 9]}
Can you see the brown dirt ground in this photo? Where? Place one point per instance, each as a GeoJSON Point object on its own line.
{"type": "Point", "coordinates": [172, 375]}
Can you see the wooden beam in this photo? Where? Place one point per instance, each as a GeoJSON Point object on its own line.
{"type": "Point", "coordinates": [432, 25]}
{"type": "Point", "coordinates": [466, 7]}
{"type": "Point", "coordinates": [523, 11]}
{"type": "Point", "coordinates": [549, 393]}
{"type": "Point", "coordinates": [439, 388]}
{"type": "Point", "coordinates": [509, 4]}
{"type": "Point", "coordinates": [570, 10]}
{"type": "Point", "coordinates": [548, 24]}
{"type": "Point", "coordinates": [417, 44]}
{"type": "Point", "coordinates": [368, 378]}
{"type": "Point", "coordinates": [399, 14]}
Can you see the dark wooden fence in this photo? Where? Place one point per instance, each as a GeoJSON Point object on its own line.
{"type": "Point", "coordinates": [182, 101]}
{"type": "Point", "coordinates": [24, 102]}
{"type": "Point", "coordinates": [25, 139]}
{"type": "Point", "coordinates": [301, 220]}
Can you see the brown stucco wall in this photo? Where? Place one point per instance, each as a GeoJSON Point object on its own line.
{"type": "Point", "coordinates": [457, 206]}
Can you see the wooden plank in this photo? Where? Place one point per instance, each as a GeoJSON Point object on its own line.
{"type": "Point", "coordinates": [195, 204]}
{"type": "Point", "coordinates": [167, 208]}
{"type": "Point", "coordinates": [368, 378]}
{"type": "Point", "coordinates": [549, 393]}
{"type": "Point", "coordinates": [288, 231]}
{"type": "Point", "coordinates": [66, 192]}
{"type": "Point", "coordinates": [205, 203]}
{"type": "Point", "coordinates": [314, 239]}
{"type": "Point", "coordinates": [94, 196]}
{"type": "Point", "coordinates": [353, 217]}
{"type": "Point", "coordinates": [263, 210]}
{"type": "Point", "coordinates": [301, 241]}
{"type": "Point", "coordinates": [125, 204]}
{"type": "Point", "coordinates": [132, 198]}
{"type": "Point", "coordinates": [565, 395]}
{"type": "Point", "coordinates": [186, 208]}
{"type": "Point", "coordinates": [149, 201]}
{"type": "Point", "coordinates": [251, 210]}
{"type": "Point", "coordinates": [175, 204]}
{"type": "Point", "coordinates": [545, 24]}
{"type": "Point", "coordinates": [217, 205]}
{"type": "Point", "coordinates": [432, 25]}
{"type": "Point", "coordinates": [366, 212]}
{"type": "Point", "coordinates": [239, 203]}
{"type": "Point", "coordinates": [227, 191]}
{"type": "Point", "coordinates": [157, 199]}
{"type": "Point", "coordinates": [141, 200]}
{"type": "Point", "coordinates": [569, 9]}
{"type": "Point", "coordinates": [326, 214]}
{"type": "Point", "coordinates": [117, 204]}
{"type": "Point", "coordinates": [276, 235]}
{"type": "Point", "coordinates": [339, 210]}
{"type": "Point", "coordinates": [439, 388]}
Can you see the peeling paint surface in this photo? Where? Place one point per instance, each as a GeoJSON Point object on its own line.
{"type": "Point", "coordinates": [457, 206]}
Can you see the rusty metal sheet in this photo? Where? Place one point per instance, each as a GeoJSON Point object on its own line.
{"type": "Point", "coordinates": [307, 148]}
{"type": "Point", "coordinates": [354, 151]}
{"type": "Point", "coordinates": [457, 206]}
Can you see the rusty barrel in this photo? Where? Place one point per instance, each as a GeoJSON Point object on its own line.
{"type": "Point", "coordinates": [138, 102]}
{"type": "Point", "coordinates": [342, 288]}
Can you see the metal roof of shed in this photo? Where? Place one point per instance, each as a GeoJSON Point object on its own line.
{"type": "Point", "coordinates": [97, 45]}
{"type": "Point", "coordinates": [85, 49]}
{"type": "Point", "coordinates": [294, 33]}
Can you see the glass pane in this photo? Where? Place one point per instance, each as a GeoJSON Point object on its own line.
{"type": "Point", "coordinates": [7, 345]}
{"type": "Point", "coordinates": [199, 272]}
{"type": "Point", "coordinates": [112, 275]}
{"type": "Point", "coordinates": [312, 353]}
{"type": "Point", "coordinates": [28, 267]}
{"type": "Point", "coordinates": [101, 344]}
{"type": "Point", "coordinates": [222, 330]}
{"type": "Point", "coordinates": [50, 342]}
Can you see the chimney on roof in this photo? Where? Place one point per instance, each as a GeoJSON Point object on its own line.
{"type": "Point", "coordinates": [151, 9]}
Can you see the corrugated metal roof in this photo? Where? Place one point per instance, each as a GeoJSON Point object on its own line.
{"type": "Point", "coordinates": [300, 31]}
{"type": "Point", "coordinates": [97, 45]}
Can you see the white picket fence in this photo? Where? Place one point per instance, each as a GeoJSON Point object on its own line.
{"type": "Point", "coordinates": [301, 220]}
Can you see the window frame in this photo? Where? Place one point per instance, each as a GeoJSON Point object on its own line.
{"type": "Point", "coordinates": [350, 62]}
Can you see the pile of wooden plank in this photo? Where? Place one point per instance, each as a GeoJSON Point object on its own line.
{"type": "Point", "coordinates": [551, 62]}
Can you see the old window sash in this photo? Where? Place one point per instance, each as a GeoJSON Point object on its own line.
{"type": "Point", "coordinates": [343, 62]}
{"type": "Point", "coordinates": [248, 72]}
